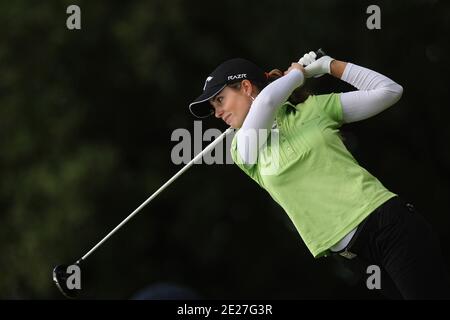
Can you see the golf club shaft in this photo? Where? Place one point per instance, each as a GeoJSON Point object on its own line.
{"type": "Point", "coordinates": [319, 54]}
{"type": "Point", "coordinates": [187, 166]}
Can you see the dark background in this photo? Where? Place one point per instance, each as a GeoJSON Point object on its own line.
{"type": "Point", "coordinates": [86, 118]}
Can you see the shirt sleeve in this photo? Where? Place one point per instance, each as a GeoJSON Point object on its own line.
{"type": "Point", "coordinates": [376, 93]}
{"type": "Point", "coordinates": [331, 105]}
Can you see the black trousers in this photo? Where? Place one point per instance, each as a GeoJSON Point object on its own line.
{"type": "Point", "coordinates": [397, 239]}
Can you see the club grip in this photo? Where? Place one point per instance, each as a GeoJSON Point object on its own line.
{"type": "Point", "coordinates": [319, 54]}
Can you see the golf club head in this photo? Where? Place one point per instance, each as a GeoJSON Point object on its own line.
{"type": "Point", "coordinates": [60, 277]}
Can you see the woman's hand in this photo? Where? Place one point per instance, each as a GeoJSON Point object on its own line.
{"type": "Point", "coordinates": [316, 68]}
{"type": "Point", "coordinates": [297, 66]}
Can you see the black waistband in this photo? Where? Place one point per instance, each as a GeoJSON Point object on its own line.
{"type": "Point", "coordinates": [361, 235]}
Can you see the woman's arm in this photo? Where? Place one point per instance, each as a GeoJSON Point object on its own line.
{"type": "Point", "coordinates": [254, 131]}
{"type": "Point", "coordinates": [376, 91]}
{"type": "Point", "coordinates": [337, 68]}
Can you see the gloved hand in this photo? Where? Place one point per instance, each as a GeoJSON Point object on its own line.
{"type": "Point", "coordinates": [315, 68]}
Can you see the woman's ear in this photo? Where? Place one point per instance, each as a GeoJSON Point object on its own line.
{"type": "Point", "coordinates": [247, 87]}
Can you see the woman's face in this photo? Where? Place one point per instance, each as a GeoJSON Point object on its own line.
{"type": "Point", "coordinates": [232, 105]}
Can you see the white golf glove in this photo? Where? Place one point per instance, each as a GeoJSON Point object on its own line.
{"type": "Point", "coordinates": [315, 68]}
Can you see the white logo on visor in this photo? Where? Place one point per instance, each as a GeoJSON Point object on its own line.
{"type": "Point", "coordinates": [237, 76]}
{"type": "Point", "coordinates": [206, 82]}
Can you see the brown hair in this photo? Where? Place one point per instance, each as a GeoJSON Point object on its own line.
{"type": "Point", "coordinates": [299, 95]}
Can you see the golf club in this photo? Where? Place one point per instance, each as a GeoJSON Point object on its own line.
{"type": "Point", "coordinates": [60, 273]}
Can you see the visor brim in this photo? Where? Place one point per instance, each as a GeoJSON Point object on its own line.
{"type": "Point", "coordinates": [200, 107]}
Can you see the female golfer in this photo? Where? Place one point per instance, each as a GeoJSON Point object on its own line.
{"type": "Point", "coordinates": [290, 145]}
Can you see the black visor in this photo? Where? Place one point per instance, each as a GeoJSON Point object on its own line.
{"type": "Point", "coordinates": [230, 71]}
